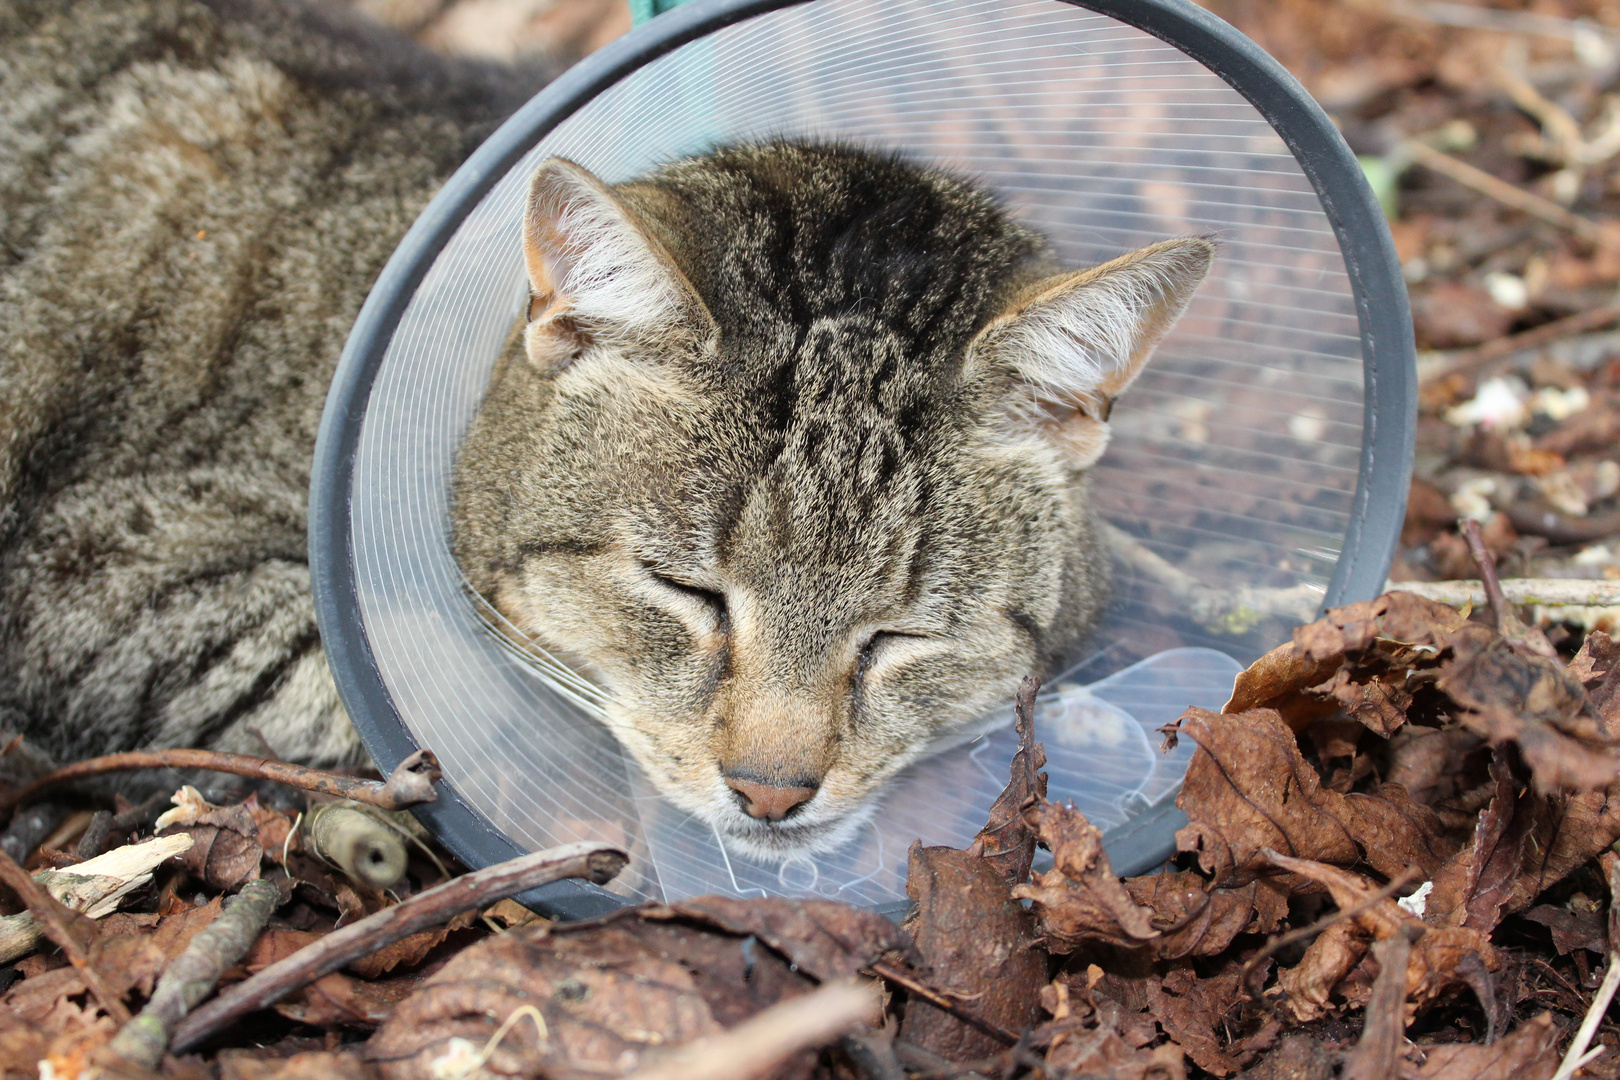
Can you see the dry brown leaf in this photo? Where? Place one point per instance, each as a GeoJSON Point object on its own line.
{"type": "Point", "coordinates": [309, 1065]}
{"type": "Point", "coordinates": [225, 851]}
{"type": "Point", "coordinates": [1506, 695]}
{"type": "Point", "coordinates": [978, 945]}
{"type": "Point", "coordinates": [339, 1000]}
{"type": "Point", "coordinates": [1439, 958]}
{"type": "Point", "coordinates": [1308, 986]}
{"type": "Point", "coordinates": [1192, 1009]}
{"type": "Point", "coordinates": [1199, 921]}
{"type": "Point", "coordinates": [639, 980]}
{"type": "Point", "coordinates": [1248, 789]}
{"type": "Point", "coordinates": [1573, 928]}
{"type": "Point", "coordinates": [1529, 1052]}
{"type": "Point", "coordinates": [823, 938]}
{"type": "Point", "coordinates": [1007, 842]}
{"type": "Point", "coordinates": [1080, 899]}
{"type": "Point", "coordinates": [1097, 1038]}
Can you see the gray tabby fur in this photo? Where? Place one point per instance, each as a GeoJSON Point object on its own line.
{"type": "Point", "coordinates": [194, 199]}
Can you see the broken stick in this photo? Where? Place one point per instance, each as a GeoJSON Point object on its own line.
{"type": "Point", "coordinates": [193, 974]}
{"type": "Point", "coordinates": [63, 926]}
{"type": "Point", "coordinates": [92, 888]}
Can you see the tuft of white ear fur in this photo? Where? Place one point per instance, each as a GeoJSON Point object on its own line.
{"type": "Point", "coordinates": [588, 257]}
{"type": "Point", "coordinates": [1074, 342]}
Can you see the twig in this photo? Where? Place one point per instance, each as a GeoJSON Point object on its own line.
{"type": "Point", "coordinates": [767, 1039]}
{"type": "Point", "coordinates": [942, 1001]}
{"type": "Point", "coordinates": [105, 825]}
{"type": "Point", "coordinates": [1517, 198]}
{"type": "Point", "coordinates": [62, 926]}
{"type": "Point", "coordinates": [1549, 592]}
{"type": "Point", "coordinates": [1494, 599]}
{"type": "Point", "coordinates": [1576, 1055]}
{"type": "Point", "coordinates": [410, 784]}
{"type": "Point", "coordinates": [1375, 1053]}
{"type": "Point", "coordinates": [1225, 609]}
{"type": "Point", "coordinates": [1582, 322]}
{"type": "Point", "coordinates": [1282, 941]}
{"type": "Point", "coordinates": [596, 862]}
{"type": "Point", "coordinates": [1505, 619]}
{"type": "Point", "coordinates": [193, 974]}
{"type": "Point", "coordinates": [366, 850]}
{"type": "Point", "coordinates": [92, 888]}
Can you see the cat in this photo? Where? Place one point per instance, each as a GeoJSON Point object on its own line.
{"type": "Point", "coordinates": [195, 197]}
{"type": "Point", "coordinates": [790, 458]}
{"type": "Point", "coordinates": [859, 374]}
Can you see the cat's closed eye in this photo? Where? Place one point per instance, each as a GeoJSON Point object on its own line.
{"type": "Point", "coordinates": [710, 601]}
{"type": "Point", "coordinates": [885, 645]}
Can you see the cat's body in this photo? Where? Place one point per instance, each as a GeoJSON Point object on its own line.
{"type": "Point", "coordinates": [194, 199]}
{"type": "Point", "coordinates": [792, 461]}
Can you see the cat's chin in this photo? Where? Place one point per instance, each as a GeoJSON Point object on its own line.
{"type": "Point", "coordinates": [778, 842]}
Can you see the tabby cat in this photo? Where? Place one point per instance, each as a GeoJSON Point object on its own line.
{"type": "Point", "coordinates": [790, 456]}
{"type": "Point", "coordinates": [791, 459]}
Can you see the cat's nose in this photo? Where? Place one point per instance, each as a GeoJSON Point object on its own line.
{"type": "Point", "coordinates": [768, 800]}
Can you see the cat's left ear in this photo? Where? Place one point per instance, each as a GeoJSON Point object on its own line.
{"type": "Point", "coordinates": [593, 267]}
{"type": "Point", "coordinates": [1071, 344]}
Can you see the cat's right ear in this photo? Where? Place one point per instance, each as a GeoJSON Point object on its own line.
{"type": "Point", "coordinates": [594, 269]}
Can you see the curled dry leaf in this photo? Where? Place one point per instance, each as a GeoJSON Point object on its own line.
{"type": "Point", "coordinates": [1248, 789]}
{"type": "Point", "coordinates": [1506, 695]}
{"type": "Point", "coordinates": [978, 946]}
{"type": "Point", "coordinates": [1439, 957]}
{"type": "Point", "coordinates": [1529, 1052]}
{"type": "Point", "coordinates": [225, 851]}
{"type": "Point", "coordinates": [1353, 658]}
{"type": "Point", "coordinates": [1080, 899]}
{"type": "Point", "coordinates": [1197, 920]}
{"type": "Point", "coordinates": [1007, 842]}
{"type": "Point", "coordinates": [823, 938]}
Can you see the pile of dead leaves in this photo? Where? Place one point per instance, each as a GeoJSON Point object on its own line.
{"type": "Point", "coordinates": [1390, 868]}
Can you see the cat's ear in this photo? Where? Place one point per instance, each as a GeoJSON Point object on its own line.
{"type": "Point", "coordinates": [1069, 345]}
{"type": "Point", "coordinates": [593, 268]}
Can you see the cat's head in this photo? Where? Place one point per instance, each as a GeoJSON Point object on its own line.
{"type": "Point", "coordinates": [792, 463]}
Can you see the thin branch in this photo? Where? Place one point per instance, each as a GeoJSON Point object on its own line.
{"type": "Point", "coordinates": [410, 784]}
{"type": "Point", "coordinates": [1527, 202]}
{"type": "Point", "coordinates": [596, 862]}
{"type": "Point", "coordinates": [943, 1001]}
{"type": "Point", "coordinates": [1282, 941]}
{"type": "Point", "coordinates": [195, 973]}
{"type": "Point", "coordinates": [1541, 592]}
{"type": "Point", "coordinates": [62, 926]}
{"type": "Point", "coordinates": [1494, 599]}
{"type": "Point", "coordinates": [1384, 1027]}
{"type": "Point", "coordinates": [1500, 348]}
{"type": "Point", "coordinates": [1577, 1055]}
{"type": "Point", "coordinates": [765, 1040]}
{"type": "Point", "coordinates": [1224, 608]}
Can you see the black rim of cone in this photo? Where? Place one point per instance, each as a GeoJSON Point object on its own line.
{"type": "Point", "coordinates": [1390, 380]}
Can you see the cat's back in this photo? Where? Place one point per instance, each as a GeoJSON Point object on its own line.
{"type": "Point", "coordinates": [194, 198]}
